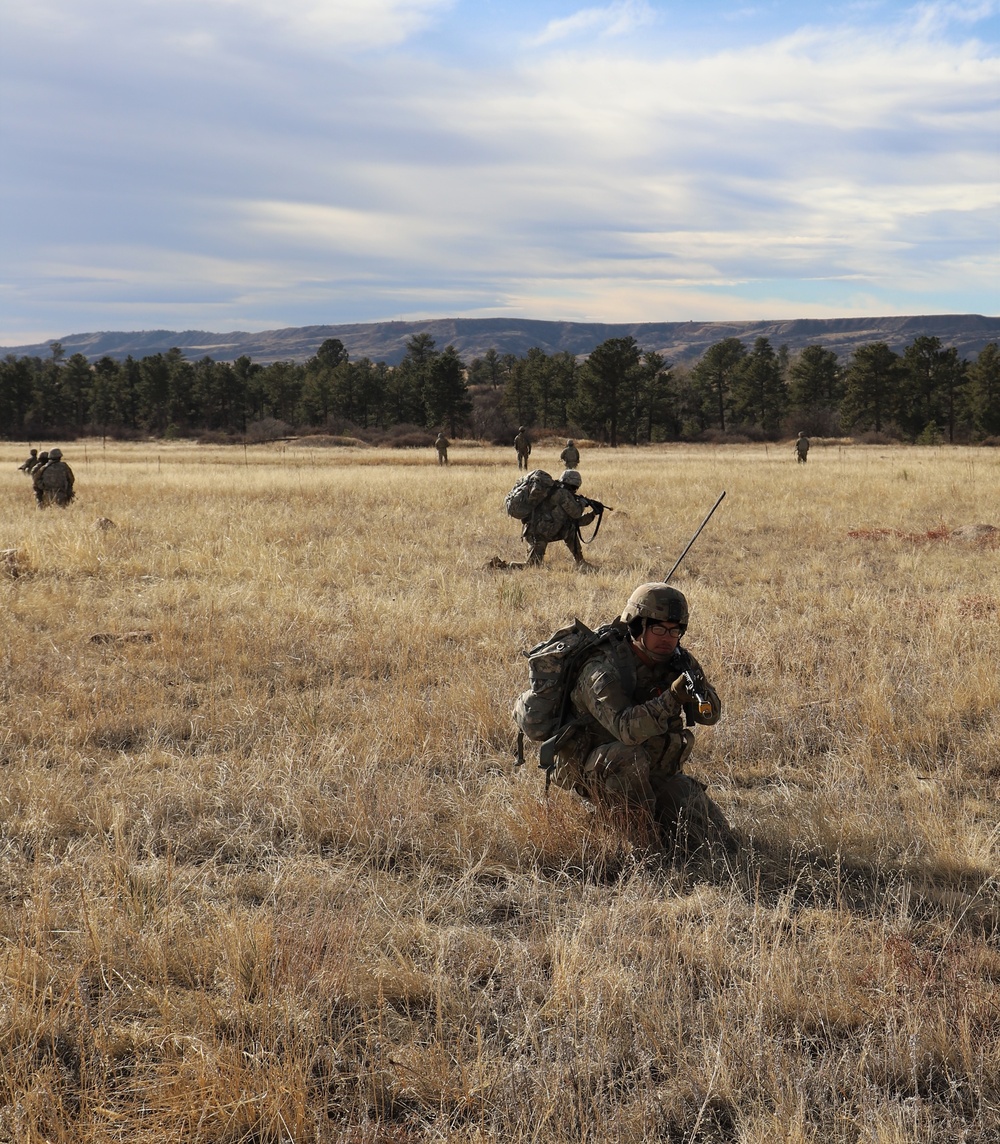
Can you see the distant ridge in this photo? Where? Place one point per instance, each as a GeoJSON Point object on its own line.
{"type": "Point", "coordinates": [472, 337]}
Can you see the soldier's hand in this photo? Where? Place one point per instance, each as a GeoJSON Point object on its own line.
{"type": "Point", "coordinates": [679, 690]}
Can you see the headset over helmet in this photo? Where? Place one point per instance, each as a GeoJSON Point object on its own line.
{"type": "Point", "coordinates": [657, 601]}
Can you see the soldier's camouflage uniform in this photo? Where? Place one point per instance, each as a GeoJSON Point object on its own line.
{"type": "Point", "coordinates": [570, 456]}
{"type": "Point", "coordinates": [632, 747]}
{"type": "Point", "coordinates": [53, 483]}
{"type": "Point", "coordinates": [802, 448]}
{"type": "Point", "coordinates": [441, 443]}
{"type": "Point", "coordinates": [522, 445]}
{"type": "Point", "coordinates": [559, 517]}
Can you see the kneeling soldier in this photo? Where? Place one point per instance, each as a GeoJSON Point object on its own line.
{"type": "Point", "coordinates": [633, 698]}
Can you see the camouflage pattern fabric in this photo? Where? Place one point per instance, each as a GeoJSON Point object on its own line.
{"type": "Point", "coordinates": [523, 448]}
{"type": "Point", "coordinates": [53, 483]}
{"type": "Point", "coordinates": [631, 748]}
{"type": "Point", "coordinates": [802, 449]}
{"type": "Point", "coordinates": [441, 443]}
{"type": "Point", "coordinates": [570, 457]}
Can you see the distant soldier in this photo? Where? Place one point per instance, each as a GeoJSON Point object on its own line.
{"type": "Point", "coordinates": [570, 456]}
{"type": "Point", "coordinates": [43, 459]}
{"type": "Point", "coordinates": [802, 448]}
{"type": "Point", "coordinates": [30, 463]}
{"type": "Point", "coordinates": [523, 446]}
{"type": "Point", "coordinates": [441, 444]}
{"type": "Point", "coordinates": [53, 482]}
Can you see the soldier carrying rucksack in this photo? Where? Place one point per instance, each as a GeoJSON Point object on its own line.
{"type": "Point", "coordinates": [53, 482]}
{"type": "Point", "coordinates": [613, 710]}
{"type": "Point", "coordinates": [549, 510]}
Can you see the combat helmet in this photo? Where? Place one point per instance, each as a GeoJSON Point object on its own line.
{"type": "Point", "coordinates": [569, 442]}
{"type": "Point", "coordinates": [55, 454]}
{"type": "Point", "coordinates": [522, 429]}
{"type": "Point", "coordinates": [657, 601]}
{"type": "Point", "coordinates": [571, 478]}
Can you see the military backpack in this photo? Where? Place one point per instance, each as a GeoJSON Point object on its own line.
{"type": "Point", "coordinates": [543, 713]}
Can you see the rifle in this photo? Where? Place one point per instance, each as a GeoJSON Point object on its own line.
{"type": "Point", "coordinates": [599, 510]}
{"type": "Point", "coordinates": [696, 687]}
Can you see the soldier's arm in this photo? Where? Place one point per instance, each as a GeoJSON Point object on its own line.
{"type": "Point", "coordinates": [599, 692]}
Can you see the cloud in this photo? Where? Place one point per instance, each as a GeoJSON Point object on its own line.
{"type": "Point", "coordinates": [617, 19]}
{"type": "Point", "coordinates": [826, 171]}
{"type": "Point", "coordinates": [937, 16]}
{"type": "Point", "coordinates": [337, 25]}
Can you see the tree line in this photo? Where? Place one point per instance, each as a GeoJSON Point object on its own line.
{"type": "Point", "coordinates": [619, 394]}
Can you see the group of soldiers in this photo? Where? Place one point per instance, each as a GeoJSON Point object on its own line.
{"type": "Point", "coordinates": [51, 478]}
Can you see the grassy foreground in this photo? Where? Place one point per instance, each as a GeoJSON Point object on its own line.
{"type": "Point", "coordinates": [269, 875]}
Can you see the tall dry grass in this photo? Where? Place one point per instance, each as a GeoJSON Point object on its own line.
{"type": "Point", "coordinates": [268, 873]}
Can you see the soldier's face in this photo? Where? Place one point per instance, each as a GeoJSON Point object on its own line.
{"type": "Point", "coordinates": [660, 639]}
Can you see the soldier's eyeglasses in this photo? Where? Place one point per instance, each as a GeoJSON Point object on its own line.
{"type": "Point", "coordinates": [665, 630]}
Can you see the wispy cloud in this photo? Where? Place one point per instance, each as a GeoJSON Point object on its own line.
{"type": "Point", "coordinates": [617, 19]}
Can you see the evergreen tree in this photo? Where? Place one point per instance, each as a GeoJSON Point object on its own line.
{"type": "Point", "coordinates": [605, 385]}
{"type": "Point", "coordinates": [565, 372]}
{"type": "Point", "coordinates": [815, 379]}
{"type": "Point", "coordinates": [16, 376]}
{"type": "Point", "coordinates": [715, 373]}
{"type": "Point", "coordinates": [758, 394]}
{"type": "Point", "coordinates": [446, 394]}
{"type": "Point", "coordinates": [871, 387]}
{"type": "Point", "coordinates": [518, 395]}
{"type": "Point", "coordinates": [540, 379]}
{"type": "Point", "coordinates": [983, 390]}
{"type": "Point", "coordinates": [105, 394]}
{"type": "Point", "coordinates": [932, 378]}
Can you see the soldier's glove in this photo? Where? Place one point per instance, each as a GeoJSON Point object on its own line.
{"type": "Point", "coordinates": [679, 690]}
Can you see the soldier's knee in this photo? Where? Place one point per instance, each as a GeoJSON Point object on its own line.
{"type": "Point", "coordinates": [621, 771]}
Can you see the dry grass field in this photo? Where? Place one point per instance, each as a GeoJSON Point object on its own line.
{"type": "Point", "coordinates": [267, 872]}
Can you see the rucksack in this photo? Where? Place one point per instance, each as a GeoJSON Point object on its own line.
{"type": "Point", "coordinates": [53, 477]}
{"type": "Point", "coordinates": [529, 492]}
{"type": "Point", "coordinates": [543, 712]}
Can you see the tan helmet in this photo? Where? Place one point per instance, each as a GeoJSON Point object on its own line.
{"type": "Point", "coordinates": [657, 601]}
{"type": "Point", "coordinates": [55, 454]}
{"type": "Point", "coordinates": [571, 478]}
{"type": "Point", "coordinates": [521, 429]}
{"type": "Point", "coordinates": [569, 442]}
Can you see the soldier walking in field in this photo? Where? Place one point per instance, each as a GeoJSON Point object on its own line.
{"type": "Point", "coordinates": [522, 446]}
{"type": "Point", "coordinates": [633, 704]}
{"type": "Point", "coordinates": [53, 481]}
{"type": "Point", "coordinates": [30, 463]}
{"type": "Point", "coordinates": [802, 448]}
{"type": "Point", "coordinates": [441, 444]}
{"type": "Point", "coordinates": [570, 456]}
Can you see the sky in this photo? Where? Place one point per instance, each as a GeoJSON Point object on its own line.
{"type": "Point", "coordinates": [256, 164]}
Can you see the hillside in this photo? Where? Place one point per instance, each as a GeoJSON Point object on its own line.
{"type": "Point", "coordinates": [472, 337]}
